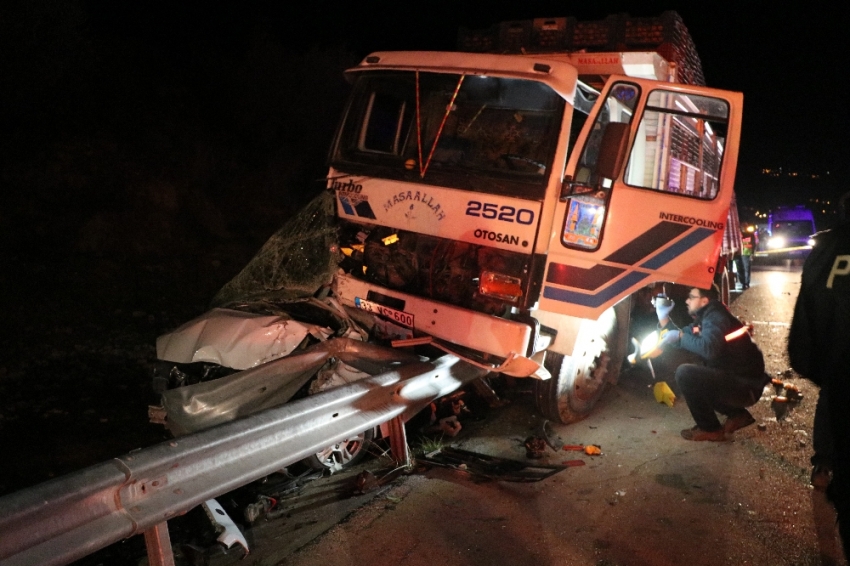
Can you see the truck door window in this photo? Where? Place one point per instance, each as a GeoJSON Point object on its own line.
{"type": "Point", "coordinates": [587, 203]}
{"type": "Point", "coordinates": [619, 107]}
{"type": "Point", "coordinates": [679, 144]}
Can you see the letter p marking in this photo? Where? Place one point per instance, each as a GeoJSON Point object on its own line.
{"type": "Point", "coordinates": [841, 266]}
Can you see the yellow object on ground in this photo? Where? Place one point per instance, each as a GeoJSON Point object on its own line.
{"type": "Point", "coordinates": [663, 393]}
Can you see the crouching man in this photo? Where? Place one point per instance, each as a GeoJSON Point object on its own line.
{"type": "Point", "coordinates": [730, 376]}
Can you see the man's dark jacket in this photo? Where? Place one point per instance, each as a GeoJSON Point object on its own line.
{"type": "Point", "coordinates": [706, 337]}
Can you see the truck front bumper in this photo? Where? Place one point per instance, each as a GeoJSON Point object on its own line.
{"type": "Point", "coordinates": [470, 329]}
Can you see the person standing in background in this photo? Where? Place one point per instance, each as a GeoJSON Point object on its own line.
{"type": "Point", "coordinates": [744, 259]}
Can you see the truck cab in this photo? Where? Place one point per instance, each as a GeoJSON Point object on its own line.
{"type": "Point", "coordinates": [505, 208]}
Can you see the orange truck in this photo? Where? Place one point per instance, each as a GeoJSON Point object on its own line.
{"type": "Point", "coordinates": [509, 203]}
{"type": "Point", "coordinates": [511, 200]}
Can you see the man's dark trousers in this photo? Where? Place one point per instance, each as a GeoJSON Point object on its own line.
{"type": "Point", "coordinates": [709, 390]}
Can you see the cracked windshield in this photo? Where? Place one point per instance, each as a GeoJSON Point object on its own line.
{"type": "Point", "coordinates": [453, 126]}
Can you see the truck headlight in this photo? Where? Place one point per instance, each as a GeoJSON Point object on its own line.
{"type": "Point", "coordinates": [500, 286]}
{"type": "Point", "coordinates": [810, 242]}
{"type": "Point", "coordinates": [776, 242]}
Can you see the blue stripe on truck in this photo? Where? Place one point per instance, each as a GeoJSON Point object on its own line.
{"type": "Point", "coordinates": [631, 278]}
{"type": "Point", "coordinates": [599, 298]}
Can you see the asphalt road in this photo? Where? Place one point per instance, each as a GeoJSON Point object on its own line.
{"type": "Point", "coordinates": [650, 498]}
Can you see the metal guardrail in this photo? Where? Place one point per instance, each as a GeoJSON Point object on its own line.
{"type": "Point", "coordinates": [70, 517]}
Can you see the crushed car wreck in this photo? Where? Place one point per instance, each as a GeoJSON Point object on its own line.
{"type": "Point", "coordinates": [269, 337]}
{"type": "Point", "coordinates": [275, 333]}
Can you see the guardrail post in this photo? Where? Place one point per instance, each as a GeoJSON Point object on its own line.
{"type": "Point", "coordinates": [398, 442]}
{"type": "Point", "coordinates": [158, 544]}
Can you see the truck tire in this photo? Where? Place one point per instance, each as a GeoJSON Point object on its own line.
{"type": "Point", "coordinates": [579, 380]}
{"type": "Point", "coordinates": [722, 282]}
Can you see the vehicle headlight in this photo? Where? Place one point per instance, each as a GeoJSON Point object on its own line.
{"type": "Point", "coordinates": [810, 242]}
{"type": "Point", "coordinates": [776, 242]}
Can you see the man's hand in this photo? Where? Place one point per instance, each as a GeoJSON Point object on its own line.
{"type": "Point", "coordinates": [663, 307]}
{"type": "Point", "coordinates": [670, 337]}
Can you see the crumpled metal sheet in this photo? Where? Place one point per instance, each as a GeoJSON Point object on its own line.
{"type": "Point", "coordinates": [336, 374]}
{"type": "Point", "coordinates": [235, 339]}
{"type": "Point", "coordinates": [200, 406]}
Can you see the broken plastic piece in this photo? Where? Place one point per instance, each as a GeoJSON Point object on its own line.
{"type": "Point", "coordinates": [592, 450]}
{"type": "Point", "coordinates": [229, 532]}
{"type": "Point", "coordinates": [574, 447]}
{"type": "Point", "coordinates": [520, 366]}
{"type": "Point", "coordinates": [574, 463]}
{"type": "Point", "coordinates": [663, 393]}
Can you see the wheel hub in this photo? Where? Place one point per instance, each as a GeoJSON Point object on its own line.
{"type": "Point", "coordinates": [590, 374]}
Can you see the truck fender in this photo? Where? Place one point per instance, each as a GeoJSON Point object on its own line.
{"type": "Point", "coordinates": [567, 328]}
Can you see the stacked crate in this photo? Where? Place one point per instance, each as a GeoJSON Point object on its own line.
{"type": "Point", "coordinates": [665, 34]}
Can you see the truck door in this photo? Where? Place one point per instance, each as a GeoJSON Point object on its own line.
{"type": "Point", "coordinates": [645, 195]}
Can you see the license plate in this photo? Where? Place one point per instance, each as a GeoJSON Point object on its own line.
{"type": "Point", "coordinates": [399, 317]}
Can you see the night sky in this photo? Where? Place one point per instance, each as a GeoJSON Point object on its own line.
{"type": "Point", "coordinates": [114, 111]}
{"type": "Point", "coordinates": [788, 60]}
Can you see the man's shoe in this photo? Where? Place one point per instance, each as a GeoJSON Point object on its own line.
{"type": "Point", "coordinates": [697, 434]}
{"type": "Point", "coordinates": [738, 420]}
{"type": "Point", "coordinates": [821, 476]}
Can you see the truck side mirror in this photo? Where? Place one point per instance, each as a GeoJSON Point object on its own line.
{"type": "Point", "coordinates": [612, 149]}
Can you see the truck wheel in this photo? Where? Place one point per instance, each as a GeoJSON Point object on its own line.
{"type": "Point", "coordinates": [723, 285]}
{"type": "Point", "coordinates": [579, 380]}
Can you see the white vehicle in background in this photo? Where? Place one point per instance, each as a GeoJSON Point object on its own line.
{"type": "Point", "coordinates": [789, 232]}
